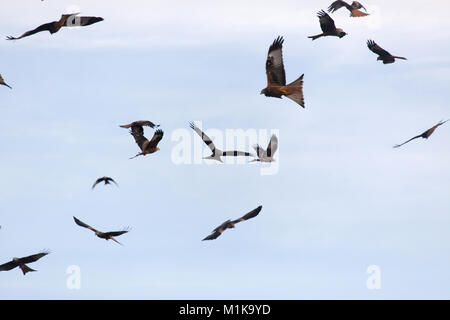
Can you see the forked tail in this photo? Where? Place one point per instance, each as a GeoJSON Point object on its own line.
{"type": "Point", "coordinates": [316, 36]}
{"type": "Point", "coordinates": [26, 269]}
{"type": "Point", "coordinates": [297, 94]}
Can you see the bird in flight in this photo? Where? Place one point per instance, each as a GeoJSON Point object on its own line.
{"type": "Point", "coordinates": [424, 135]}
{"type": "Point", "coordinates": [216, 153]}
{"type": "Point", "coordinates": [21, 262]}
{"type": "Point", "coordinates": [140, 123]}
{"type": "Point", "coordinates": [383, 55]}
{"type": "Point", "coordinates": [276, 76]}
{"type": "Point", "coordinates": [146, 146]}
{"type": "Point", "coordinates": [107, 180]}
{"type": "Point", "coordinates": [353, 8]}
{"type": "Point", "coordinates": [2, 82]}
{"type": "Point", "coordinates": [267, 155]}
{"type": "Point", "coordinates": [66, 20]}
{"type": "Point", "coordinates": [328, 27]}
{"type": "Point", "coordinates": [103, 235]}
{"type": "Point", "coordinates": [230, 224]}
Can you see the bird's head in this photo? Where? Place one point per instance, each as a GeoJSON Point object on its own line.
{"type": "Point", "coordinates": [15, 259]}
{"type": "Point", "coordinates": [341, 33]}
{"type": "Point", "coordinates": [263, 91]}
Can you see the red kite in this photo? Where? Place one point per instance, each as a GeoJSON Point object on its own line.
{"type": "Point", "coordinates": [216, 153]}
{"type": "Point", "coordinates": [328, 27]}
{"type": "Point", "coordinates": [267, 155]}
{"type": "Point", "coordinates": [383, 55]}
{"type": "Point", "coordinates": [107, 180]}
{"type": "Point", "coordinates": [103, 235]}
{"type": "Point", "coordinates": [140, 123]}
{"type": "Point", "coordinates": [66, 20]}
{"type": "Point", "coordinates": [424, 135]}
{"type": "Point", "coordinates": [353, 8]}
{"type": "Point", "coordinates": [276, 76]}
{"type": "Point", "coordinates": [230, 224]}
{"type": "Point", "coordinates": [21, 262]}
{"type": "Point", "coordinates": [146, 146]}
{"type": "Point", "coordinates": [2, 82]}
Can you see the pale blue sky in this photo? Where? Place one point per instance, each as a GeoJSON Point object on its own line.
{"type": "Point", "coordinates": [343, 198]}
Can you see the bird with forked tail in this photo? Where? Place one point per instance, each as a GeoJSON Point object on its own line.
{"type": "Point", "coordinates": [424, 135]}
{"type": "Point", "coordinates": [328, 27]}
{"type": "Point", "coordinates": [21, 262]}
{"type": "Point", "coordinates": [383, 55]}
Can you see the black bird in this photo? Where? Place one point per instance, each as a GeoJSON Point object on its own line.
{"type": "Point", "coordinates": [424, 135]}
{"type": "Point", "coordinates": [103, 235]}
{"type": "Point", "coordinates": [383, 55]}
{"type": "Point", "coordinates": [21, 262]}
{"type": "Point", "coordinates": [107, 180]}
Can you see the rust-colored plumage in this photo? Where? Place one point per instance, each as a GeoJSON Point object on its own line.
{"type": "Point", "coordinates": [107, 180]}
{"type": "Point", "coordinates": [383, 55]}
{"type": "Point", "coordinates": [230, 224]}
{"type": "Point", "coordinates": [328, 27]}
{"type": "Point", "coordinates": [21, 262]}
{"type": "Point", "coordinates": [353, 8]}
{"type": "Point", "coordinates": [146, 146]}
{"type": "Point", "coordinates": [2, 82]}
{"type": "Point", "coordinates": [66, 20]}
{"type": "Point", "coordinates": [103, 235]}
{"type": "Point", "coordinates": [276, 76]}
{"type": "Point", "coordinates": [424, 135]}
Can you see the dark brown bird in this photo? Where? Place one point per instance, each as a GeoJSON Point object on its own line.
{"type": "Point", "coordinates": [66, 20]}
{"type": "Point", "coordinates": [107, 180]}
{"type": "Point", "coordinates": [147, 146]}
{"type": "Point", "coordinates": [276, 76]}
{"type": "Point", "coordinates": [21, 262]}
{"type": "Point", "coordinates": [103, 235]}
{"type": "Point", "coordinates": [2, 82]}
{"type": "Point", "coordinates": [216, 153]}
{"type": "Point", "coordinates": [353, 8]}
{"type": "Point", "coordinates": [230, 224]}
{"type": "Point", "coordinates": [383, 55]}
{"type": "Point", "coordinates": [424, 135]}
{"type": "Point", "coordinates": [140, 123]}
{"type": "Point", "coordinates": [328, 27]}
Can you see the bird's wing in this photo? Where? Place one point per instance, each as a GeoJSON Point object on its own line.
{"type": "Point", "coordinates": [249, 215]}
{"type": "Point", "coordinates": [116, 233]}
{"type": "Point", "coordinates": [274, 63]}
{"type": "Point", "coordinates": [213, 236]}
{"type": "Point", "coordinates": [336, 5]}
{"type": "Point", "coordinates": [97, 182]}
{"type": "Point", "coordinates": [140, 123]}
{"type": "Point", "coordinates": [273, 146]}
{"type": "Point", "coordinates": [377, 49]}
{"type": "Point", "coordinates": [259, 151]}
{"type": "Point", "coordinates": [2, 81]}
{"type": "Point", "coordinates": [138, 134]}
{"type": "Point", "coordinates": [8, 266]}
{"type": "Point", "coordinates": [156, 139]}
{"type": "Point", "coordinates": [207, 140]}
{"type": "Point", "coordinates": [44, 27]}
{"type": "Point", "coordinates": [326, 22]}
{"type": "Point", "coordinates": [34, 257]}
{"type": "Point", "coordinates": [112, 180]}
{"type": "Point", "coordinates": [82, 224]}
{"type": "Point", "coordinates": [235, 153]}
{"type": "Point", "coordinates": [358, 5]}
{"type": "Point", "coordinates": [399, 145]}
{"type": "Point", "coordinates": [81, 21]}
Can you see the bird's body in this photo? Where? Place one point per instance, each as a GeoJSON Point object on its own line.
{"type": "Point", "coordinates": [107, 180]}
{"type": "Point", "coordinates": [21, 262]}
{"type": "Point", "coordinates": [328, 27]}
{"type": "Point", "coordinates": [353, 8]}
{"type": "Point", "coordinates": [66, 20]}
{"type": "Point", "coordinates": [217, 153]}
{"type": "Point", "coordinates": [102, 235]}
{"type": "Point", "coordinates": [267, 155]}
{"type": "Point", "coordinates": [2, 82]}
{"type": "Point", "coordinates": [424, 135]}
{"type": "Point", "coordinates": [276, 76]}
{"type": "Point", "coordinates": [230, 224]}
{"type": "Point", "coordinates": [383, 55]}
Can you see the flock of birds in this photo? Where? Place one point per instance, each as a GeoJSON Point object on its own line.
{"type": "Point", "coordinates": [276, 87]}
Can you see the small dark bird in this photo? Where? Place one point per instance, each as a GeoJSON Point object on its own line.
{"type": "Point", "coordinates": [21, 262]}
{"type": "Point", "coordinates": [383, 55]}
{"type": "Point", "coordinates": [147, 146]}
{"type": "Point", "coordinates": [107, 180]}
{"type": "Point", "coordinates": [328, 27]}
{"type": "Point", "coordinates": [140, 123]}
{"type": "Point", "coordinates": [2, 82]}
{"type": "Point", "coordinates": [267, 155]}
{"type": "Point", "coordinates": [230, 224]}
{"type": "Point", "coordinates": [216, 153]}
{"type": "Point", "coordinates": [66, 20]}
{"type": "Point", "coordinates": [276, 76]}
{"type": "Point", "coordinates": [103, 235]}
{"type": "Point", "coordinates": [353, 8]}
{"type": "Point", "coordinates": [424, 135]}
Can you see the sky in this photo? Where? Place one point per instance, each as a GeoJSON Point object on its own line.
{"type": "Point", "coordinates": [339, 202]}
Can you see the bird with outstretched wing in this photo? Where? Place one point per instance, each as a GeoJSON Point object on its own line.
{"type": "Point", "coordinates": [267, 155]}
{"type": "Point", "coordinates": [21, 262]}
{"type": "Point", "coordinates": [353, 8]}
{"type": "Point", "coordinates": [103, 235]}
{"type": "Point", "coordinates": [424, 135]}
{"type": "Point", "coordinates": [328, 27]}
{"type": "Point", "coordinates": [383, 55]}
{"type": "Point", "coordinates": [107, 180]}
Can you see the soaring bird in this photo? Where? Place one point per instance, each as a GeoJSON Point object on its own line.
{"type": "Point", "coordinates": [353, 8]}
{"type": "Point", "coordinates": [147, 146]}
{"type": "Point", "coordinates": [216, 153]}
{"type": "Point", "coordinates": [383, 55]}
{"type": "Point", "coordinates": [103, 235]}
{"type": "Point", "coordinates": [328, 27]}
{"type": "Point", "coordinates": [107, 180]}
{"type": "Point", "coordinates": [267, 155]}
{"type": "Point", "coordinates": [66, 20]}
{"type": "Point", "coordinates": [230, 224]}
{"type": "Point", "coordinates": [424, 135]}
{"type": "Point", "coordinates": [2, 82]}
{"type": "Point", "coordinates": [21, 262]}
{"type": "Point", "coordinates": [140, 123]}
{"type": "Point", "coordinates": [276, 76]}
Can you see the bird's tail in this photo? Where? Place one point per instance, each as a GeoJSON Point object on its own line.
{"type": "Point", "coordinates": [316, 36]}
{"type": "Point", "coordinates": [297, 94]}
{"type": "Point", "coordinates": [26, 269]}
{"type": "Point", "coordinates": [113, 239]}
{"type": "Point", "coordinates": [139, 154]}
{"type": "Point", "coordinates": [403, 58]}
